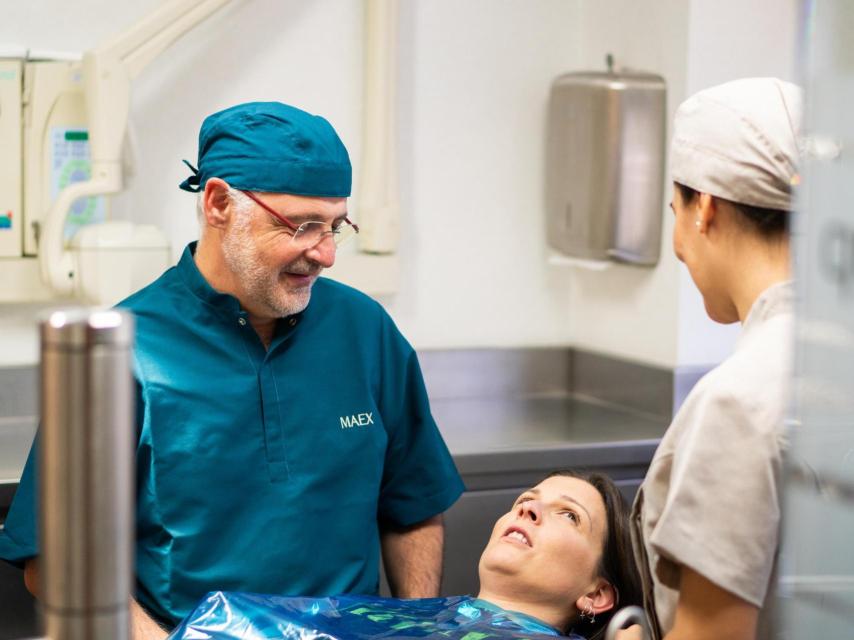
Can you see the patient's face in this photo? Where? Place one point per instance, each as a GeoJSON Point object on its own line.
{"type": "Point", "coordinates": [549, 544]}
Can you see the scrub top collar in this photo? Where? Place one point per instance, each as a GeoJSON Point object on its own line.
{"type": "Point", "coordinates": [223, 303]}
{"type": "Point", "coordinates": [778, 298]}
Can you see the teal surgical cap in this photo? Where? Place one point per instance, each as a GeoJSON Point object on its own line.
{"type": "Point", "coordinates": [272, 147]}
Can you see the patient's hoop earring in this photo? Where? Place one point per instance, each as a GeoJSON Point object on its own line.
{"type": "Point", "coordinates": [588, 614]}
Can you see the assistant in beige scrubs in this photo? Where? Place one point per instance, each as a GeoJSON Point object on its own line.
{"type": "Point", "coordinates": [706, 520]}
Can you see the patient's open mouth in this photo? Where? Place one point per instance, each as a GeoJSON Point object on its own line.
{"type": "Point", "coordinates": [518, 535]}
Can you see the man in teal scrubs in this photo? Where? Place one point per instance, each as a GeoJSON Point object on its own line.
{"type": "Point", "coordinates": [285, 436]}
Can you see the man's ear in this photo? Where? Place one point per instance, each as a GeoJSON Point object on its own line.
{"type": "Point", "coordinates": [602, 597]}
{"type": "Point", "coordinates": [216, 203]}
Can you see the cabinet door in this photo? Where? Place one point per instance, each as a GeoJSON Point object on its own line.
{"type": "Point", "coordinates": [17, 606]}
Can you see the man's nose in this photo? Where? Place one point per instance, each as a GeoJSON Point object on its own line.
{"type": "Point", "coordinates": [323, 253]}
{"type": "Point", "coordinates": [530, 509]}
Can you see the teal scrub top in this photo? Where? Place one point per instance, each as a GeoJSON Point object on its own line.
{"type": "Point", "coordinates": [267, 470]}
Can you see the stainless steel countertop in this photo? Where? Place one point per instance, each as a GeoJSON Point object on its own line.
{"type": "Point", "coordinates": [494, 441]}
{"type": "Point", "coordinates": [500, 442]}
{"type": "Point", "coordinates": [16, 436]}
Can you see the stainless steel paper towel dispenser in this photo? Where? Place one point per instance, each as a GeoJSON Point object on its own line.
{"type": "Point", "coordinates": [605, 166]}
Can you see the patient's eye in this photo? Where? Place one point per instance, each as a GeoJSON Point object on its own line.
{"type": "Point", "coordinates": [571, 515]}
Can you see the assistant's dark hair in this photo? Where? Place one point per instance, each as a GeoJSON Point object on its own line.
{"type": "Point", "coordinates": [617, 564]}
{"type": "Point", "coordinates": [771, 224]}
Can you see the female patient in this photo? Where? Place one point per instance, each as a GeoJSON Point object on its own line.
{"type": "Point", "coordinates": [558, 562]}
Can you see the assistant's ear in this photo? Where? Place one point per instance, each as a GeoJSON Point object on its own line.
{"type": "Point", "coordinates": [706, 211]}
{"type": "Point", "coordinates": [217, 204]}
{"type": "Point", "coordinates": [603, 597]}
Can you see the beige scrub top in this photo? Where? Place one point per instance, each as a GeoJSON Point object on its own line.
{"type": "Point", "coordinates": [711, 497]}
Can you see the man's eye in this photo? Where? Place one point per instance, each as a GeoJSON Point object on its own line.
{"type": "Point", "coordinates": [521, 500]}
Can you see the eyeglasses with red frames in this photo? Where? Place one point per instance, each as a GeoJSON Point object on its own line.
{"type": "Point", "coordinates": [311, 233]}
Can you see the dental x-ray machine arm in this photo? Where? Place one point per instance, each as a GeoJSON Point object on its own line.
{"type": "Point", "coordinates": [107, 73]}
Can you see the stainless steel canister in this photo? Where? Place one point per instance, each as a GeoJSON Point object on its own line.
{"type": "Point", "coordinates": [86, 473]}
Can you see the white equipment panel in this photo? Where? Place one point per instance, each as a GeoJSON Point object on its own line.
{"type": "Point", "coordinates": [11, 214]}
{"type": "Point", "coordinates": [56, 144]}
{"type": "Point", "coordinates": [70, 163]}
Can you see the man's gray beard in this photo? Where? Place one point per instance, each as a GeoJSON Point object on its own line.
{"type": "Point", "coordinates": [261, 286]}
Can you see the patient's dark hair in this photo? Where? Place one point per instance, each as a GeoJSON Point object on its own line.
{"type": "Point", "coordinates": [617, 564]}
{"type": "Point", "coordinates": [771, 224]}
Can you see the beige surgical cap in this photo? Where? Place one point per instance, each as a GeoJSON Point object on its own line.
{"type": "Point", "coordinates": [739, 141]}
